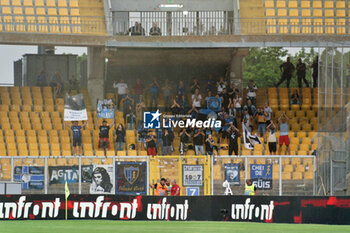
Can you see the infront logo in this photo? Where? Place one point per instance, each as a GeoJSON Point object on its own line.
{"type": "Point", "coordinates": [151, 120]}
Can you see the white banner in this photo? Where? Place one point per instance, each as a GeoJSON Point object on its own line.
{"type": "Point", "coordinates": [74, 108]}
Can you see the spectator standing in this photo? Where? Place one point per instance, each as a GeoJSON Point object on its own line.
{"type": "Point", "coordinates": [251, 108]}
{"type": "Point", "coordinates": [237, 101]}
{"type": "Point", "coordinates": [131, 118]}
{"type": "Point", "coordinates": [167, 139]}
{"type": "Point", "coordinates": [314, 67]}
{"type": "Point", "coordinates": [120, 88]}
{"type": "Point", "coordinates": [175, 108]}
{"type": "Point", "coordinates": [196, 99]}
{"type": "Point", "coordinates": [194, 86]}
{"type": "Point", "coordinates": [73, 84]}
{"type": "Point", "coordinates": [41, 79]}
{"type": "Point", "coordinates": [142, 136]}
{"type": "Point", "coordinates": [261, 118]}
{"type": "Point", "coordinates": [232, 91]}
{"type": "Point", "coordinates": [155, 30]}
{"type": "Point", "coordinates": [127, 101]}
{"type": "Point", "coordinates": [151, 144]}
{"type": "Point", "coordinates": [57, 84]}
{"type": "Point", "coordinates": [198, 139]}
{"type": "Point", "coordinates": [225, 99]}
{"type": "Point", "coordinates": [301, 72]}
{"type": "Point", "coordinates": [185, 135]}
{"type": "Point", "coordinates": [138, 90]}
{"type": "Point", "coordinates": [175, 189]}
{"type": "Point", "coordinates": [76, 130]}
{"type": "Point", "coordinates": [247, 120]}
{"type": "Point", "coordinates": [287, 70]}
{"type": "Point", "coordinates": [233, 133]}
{"type": "Point", "coordinates": [226, 122]}
{"type": "Point", "coordinates": [284, 132]}
{"type": "Point", "coordinates": [232, 111]}
{"type": "Point", "coordinates": [210, 84]}
{"type": "Point", "coordinates": [220, 86]}
{"type": "Point", "coordinates": [180, 90]}
{"type": "Point", "coordinates": [272, 138]}
{"type": "Point", "coordinates": [154, 91]}
{"type": "Point", "coordinates": [268, 110]}
{"type": "Point", "coordinates": [140, 108]}
{"type": "Point", "coordinates": [210, 145]}
{"type": "Point", "coordinates": [250, 188]}
{"type": "Point", "coordinates": [251, 92]}
{"type": "Point", "coordinates": [120, 137]}
{"type": "Point", "coordinates": [167, 95]}
{"type": "Point", "coordinates": [104, 135]}
{"type": "Point", "coordinates": [159, 142]}
{"type": "Point", "coordinates": [160, 188]}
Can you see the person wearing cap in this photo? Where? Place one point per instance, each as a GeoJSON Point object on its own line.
{"type": "Point", "coordinates": [160, 189]}
{"type": "Point", "coordinates": [250, 188]}
{"type": "Point", "coordinates": [104, 134]}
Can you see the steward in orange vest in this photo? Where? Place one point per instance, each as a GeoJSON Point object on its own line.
{"type": "Point", "coordinates": [160, 189]}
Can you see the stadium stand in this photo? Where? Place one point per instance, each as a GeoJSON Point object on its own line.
{"type": "Point", "coordinates": [51, 16]}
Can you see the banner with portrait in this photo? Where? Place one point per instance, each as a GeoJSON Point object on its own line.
{"type": "Point", "coordinates": [131, 178]}
{"type": "Point", "coordinates": [32, 177]}
{"type": "Point", "coordinates": [102, 181]}
{"type": "Point", "coordinates": [232, 173]}
{"type": "Point", "coordinates": [105, 109]}
{"type": "Point", "coordinates": [74, 108]}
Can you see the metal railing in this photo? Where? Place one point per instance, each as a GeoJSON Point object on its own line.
{"type": "Point", "coordinates": [54, 170]}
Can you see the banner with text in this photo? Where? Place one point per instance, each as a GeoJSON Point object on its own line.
{"type": "Point", "coordinates": [192, 175]}
{"type": "Point", "coordinates": [61, 174]}
{"type": "Point", "coordinates": [261, 175]}
{"type": "Point", "coordinates": [74, 108]}
{"type": "Point", "coordinates": [268, 209]}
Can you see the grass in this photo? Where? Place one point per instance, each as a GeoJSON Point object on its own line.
{"type": "Point", "coordinates": [105, 226]}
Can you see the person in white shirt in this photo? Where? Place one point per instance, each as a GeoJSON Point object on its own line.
{"type": "Point", "coordinates": [251, 92]}
{"type": "Point", "coordinates": [196, 99]}
{"type": "Point", "coordinates": [268, 110]}
{"type": "Point", "coordinates": [221, 85]}
{"type": "Point", "coordinates": [120, 89]}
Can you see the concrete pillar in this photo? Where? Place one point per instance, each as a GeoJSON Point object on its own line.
{"type": "Point", "coordinates": [96, 74]}
{"type": "Point", "coordinates": [236, 67]}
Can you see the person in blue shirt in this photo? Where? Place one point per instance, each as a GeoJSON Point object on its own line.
{"type": "Point", "coordinates": [154, 90]}
{"type": "Point", "coordinates": [76, 130]}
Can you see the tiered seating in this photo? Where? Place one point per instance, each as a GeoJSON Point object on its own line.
{"type": "Point", "coordinates": [307, 17]}
{"type": "Point", "coordinates": [52, 16]}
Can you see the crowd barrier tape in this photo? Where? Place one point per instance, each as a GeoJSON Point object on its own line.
{"type": "Point", "coordinates": [268, 209]}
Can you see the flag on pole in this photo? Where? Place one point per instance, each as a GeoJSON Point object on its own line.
{"type": "Point", "coordinates": [248, 139]}
{"type": "Point", "coordinates": [66, 195]}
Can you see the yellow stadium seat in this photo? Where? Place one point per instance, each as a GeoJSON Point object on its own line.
{"type": "Point", "coordinates": [270, 12]}
{"type": "Point", "coordinates": [73, 3]}
{"type": "Point", "coordinates": [282, 13]}
{"type": "Point", "coordinates": [121, 153]}
{"type": "Point", "coordinates": [100, 153]}
{"type": "Point", "coordinates": [340, 4]}
{"type": "Point", "coordinates": [293, 4]}
{"type": "Point", "coordinates": [297, 176]}
{"type": "Point", "coordinates": [329, 13]}
{"type": "Point", "coordinates": [286, 176]}
{"type": "Point", "coordinates": [305, 4]}
{"type": "Point", "coordinates": [16, 3]}
{"type": "Point", "coordinates": [294, 13]}
{"type": "Point", "coordinates": [304, 147]}
{"type": "Point", "coordinates": [269, 4]}
{"type": "Point", "coordinates": [306, 13]}
{"type": "Point", "coordinates": [27, 2]}
{"type": "Point", "coordinates": [5, 2]}
{"type": "Point", "coordinates": [51, 3]}
{"type": "Point", "coordinates": [317, 4]}
{"type": "Point", "coordinates": [62, 3]}
{"type": "Point", "coordinates": [280, 4]}
{"type": "Point", "coordinates": [329, 4]}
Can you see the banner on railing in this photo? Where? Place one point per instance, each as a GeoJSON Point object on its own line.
{"type": "Point", "coordinates": [32, 177]}
{"type": "Point", "coordinates": [131, 178]}
{"type": "Point", "coordinates": [61, 174]}
{"type": "Point", "coordinates": [322, 210]}
{"type": "Point", "coordinates": [232, 173]}
{"type": "Point", "coordinates": [102, 180]}
{"type": "Point", "coordinates": [192, 175]}
{"type": "Point", "coordinates": [261, 175]}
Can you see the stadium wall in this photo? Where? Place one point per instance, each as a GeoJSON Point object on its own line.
{"type": "Point", "coordinates": [268, 209]}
